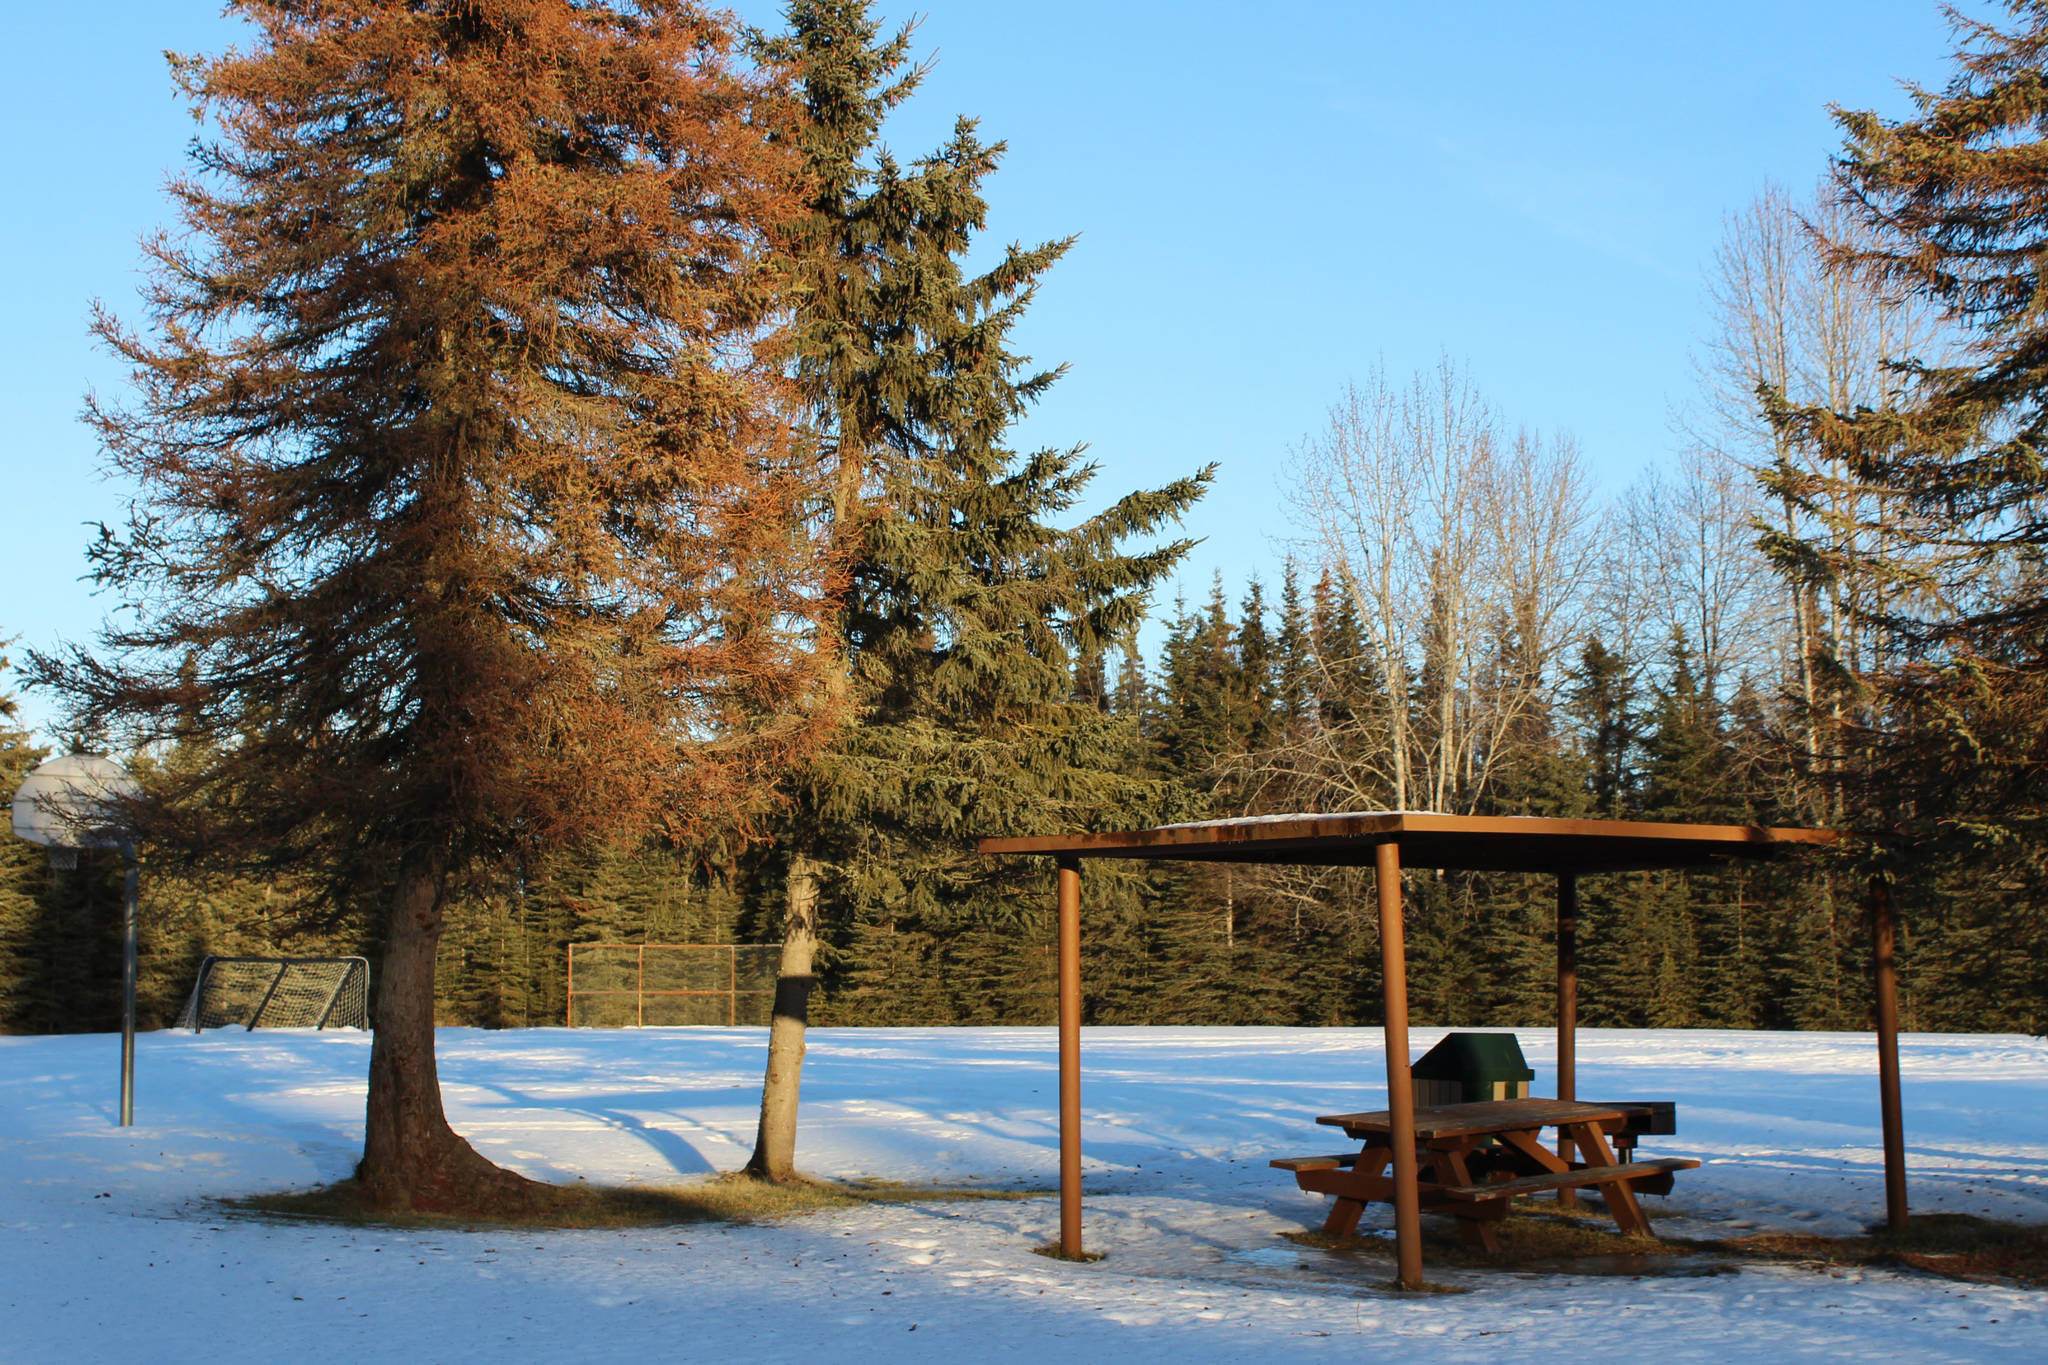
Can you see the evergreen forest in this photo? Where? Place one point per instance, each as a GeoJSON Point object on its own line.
{"type": "Point", "coordinates": [1241, 700]}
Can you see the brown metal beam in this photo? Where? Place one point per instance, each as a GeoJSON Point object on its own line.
{"type": "Point", "coordinates": [1883, 934]}
{"type": "Point", "coordinates": [1477, 843]}
{"type": "Point", "coordinates": [1070, 1056]}
{"type": "Point", "coordinates": [1400, 1084]}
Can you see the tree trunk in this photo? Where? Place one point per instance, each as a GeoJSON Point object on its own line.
{"type": "Point", "coordinates": [412, 1159]}
{"type": "Point", "coordinates": [774, 1156]}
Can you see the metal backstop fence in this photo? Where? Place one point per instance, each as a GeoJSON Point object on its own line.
{"type": "Point", "coordinates": [624, 985]}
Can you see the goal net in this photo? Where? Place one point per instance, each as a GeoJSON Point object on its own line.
{"type": "Point", "coordinates": [279, 992]}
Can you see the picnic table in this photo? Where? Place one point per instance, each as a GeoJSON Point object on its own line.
{"type": "Point", "coordinates": [1474, 1158]}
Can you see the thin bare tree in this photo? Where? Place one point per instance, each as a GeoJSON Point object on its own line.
{"type": "Point", "coordinates": [1462, 551]}
{"type": "Point", "coordinates": [1683, 553]}
{"type": "Point", "coordinates": [1789, 318]}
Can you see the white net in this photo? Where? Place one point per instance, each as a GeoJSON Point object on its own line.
{"type": "Point", "coordinates": [279, 992]}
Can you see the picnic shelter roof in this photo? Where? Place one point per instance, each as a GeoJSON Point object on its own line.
{"type": "Point", "coordinates": [1477, 843]}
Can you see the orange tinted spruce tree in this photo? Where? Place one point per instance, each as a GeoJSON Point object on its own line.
{"type": "Point", "coordinates": [470, 526]}
{"type": "Point", "coordinates": [1924, 517]}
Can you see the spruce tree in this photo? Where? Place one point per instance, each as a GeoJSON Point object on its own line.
{"type": "Point", "coordinates": [60, 930]}
{"type": "Point", "coordinates": [470, 527]}
{"type": "Point", "coordinates": [1216, 697]}
{"type": "Point", "coordinates": [967, 607]}
{"type": "Point", "coordinates": [1203, 727]}
{"type": "Point", "coordinates": [1293, 681]}
{"type": "Point", "coordinates": [1257, 671]}
{"type": "Point", "coordinates": [1688, 770]}
{"type": "Point", "coordinates": [1132, 697]}
{"type": "Point", "coordinates": [1926, 515]}
{"type": "Point", "coordinates": [1601, 699]}
{"type": "Point", "coordinates": [24, 887]}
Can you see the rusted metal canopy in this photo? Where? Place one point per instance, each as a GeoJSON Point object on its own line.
{"type": "Point", "coordinates": [1476, 843]}
{"type": "Point", "coordinates": [1390, 841]}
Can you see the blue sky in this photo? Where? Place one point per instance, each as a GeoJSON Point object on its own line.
{"type": "Point", "coordinates": [1270, 199]}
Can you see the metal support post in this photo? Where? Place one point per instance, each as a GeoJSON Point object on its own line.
{"type": "Point", "coordinates": [1567, 1012]}
{"type": "Point", "coordinates": [1070, 1056]}
{"type": "Point", "coordinates": [1400, 1084]}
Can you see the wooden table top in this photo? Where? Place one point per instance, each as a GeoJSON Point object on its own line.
{"type": "Point", "coordinates": [1483, 1116]}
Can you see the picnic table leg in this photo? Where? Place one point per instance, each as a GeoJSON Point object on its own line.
{"type": "Point", "coordinates": [1529, 1144]}
{"type": "Point", "coordinates": [1344, 1215]}
{"type": "Point", "coordinates": [1620, 1196]}
{"type": "Point", "coordinates": [1346, 1210]}
{"type": "Point", "coordinates": [1450, 1169]}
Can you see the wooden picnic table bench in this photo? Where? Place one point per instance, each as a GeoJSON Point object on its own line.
{"type": "Point", "coordinates": [1474, 1158]}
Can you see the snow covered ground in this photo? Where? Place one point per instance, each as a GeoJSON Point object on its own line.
{"type": "Point", "coordinates": [110, 1250]}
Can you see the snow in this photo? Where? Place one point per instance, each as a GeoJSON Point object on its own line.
{"type": "Point", "coordinates": [1288, 818]}
{"type": "Point", "coordinates": [110, 1250]}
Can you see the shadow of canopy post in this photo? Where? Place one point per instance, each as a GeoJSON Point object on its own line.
{"type": "Point", "coordinates": [1390, 841]}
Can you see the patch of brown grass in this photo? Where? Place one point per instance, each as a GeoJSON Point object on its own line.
{"type": "Point", "coordinates": [1540, 1235]}
{"type": "Point", "coordinates": [1955, 1245]}
{"type": "Point", "coordinates": [1052, 1251]}
{"type": "Point", "coordinates": [1532, 1236]}
{"type": "Point", "coordinates": [727, 1199]}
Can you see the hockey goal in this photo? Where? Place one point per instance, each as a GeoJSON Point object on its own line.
{"type": "Point", "coordinates": [279, 992]}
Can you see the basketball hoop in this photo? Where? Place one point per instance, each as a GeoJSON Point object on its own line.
{"type": "Point", "coordinates": [76, 802]}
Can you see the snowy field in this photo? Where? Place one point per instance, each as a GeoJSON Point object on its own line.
{"type": "Point", "coordinates": [110, 1250]}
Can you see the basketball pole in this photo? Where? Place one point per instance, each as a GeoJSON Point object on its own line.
{"type": "Point", "coordinates": [77, 802]}
{"type": "Point", "coordinates": [129, 896]}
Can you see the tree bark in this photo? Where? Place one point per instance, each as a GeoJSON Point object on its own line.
{"type": "Point", "coordinates": [774, 1157]}
{"type": "Point", "coordinates": [412, 1159]}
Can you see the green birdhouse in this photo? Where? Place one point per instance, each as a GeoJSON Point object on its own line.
{"type": "Point", "coordinates": [1465, 1067]}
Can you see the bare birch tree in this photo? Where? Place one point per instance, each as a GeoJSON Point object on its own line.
{"type": "Point", "coordinates": [1458, 547]}
{"type": "Point", "coordinates": [1788, 319]}
{"type": "Point", "coordinates": [1684, 557]}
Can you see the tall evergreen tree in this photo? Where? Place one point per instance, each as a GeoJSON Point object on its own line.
{"type": "Point", "coordinates": [1602, 702]}
{"type": "Point", "coordinates": [1688, 767]}
{"type": "Point", "coordinates": [1291, 643]}
{"type": "Point", "coordinates": [1205, 723]}
{"type": "Point", "coordinates": [1131, 697]}
{"type": "Point", "coordinates": [1928, 513]}
{"type": "Point", "coordinates": [966, 608]}
{"type": "Point", "coordinates": [1215, 698]}
{"type": "Point", "coordinates": [60, 945]}
{"type": "Point", "coordinates": [22, 881]}
{"type": "Point", "coordinates": [465, 473]}
{"type": "Point", "coordinates": [1256, 669]}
